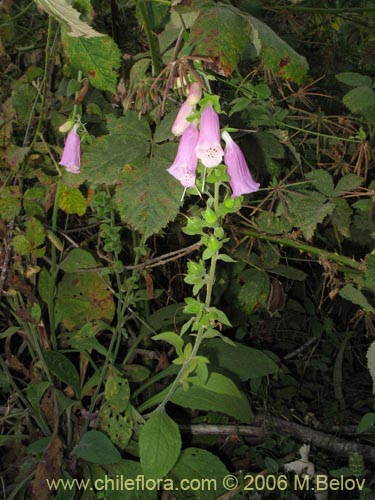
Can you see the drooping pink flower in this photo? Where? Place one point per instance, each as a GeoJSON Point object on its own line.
{"type": "Point", "coordinates": [240, 181]}
{"type": "Point", "coordinates": [181, 124]}
{"type": "Point", "coordinates": [185, 164]}
{"type": "Point", "coordinates": [209, 149]}
{"type": "Point", "coordinates": [71, 157]}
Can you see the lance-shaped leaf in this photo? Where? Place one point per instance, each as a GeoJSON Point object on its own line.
{"type": "Point", "coordinates": [66, 14]}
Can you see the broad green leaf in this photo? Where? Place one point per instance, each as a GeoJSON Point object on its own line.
{"type": "Point", "coordinates": [347, 183]}
{"type": "Point", "coordinates": [148, 197]}
{"type": "Point", "coordinates": [371, 363]}
{"type": "Point", "coordinates": [243, 361]}
{"type": "Point", "coordinates": [270, 223]}
{"type": "Point", "coordinates": [77, 259]}
{"type": "Point", "coordinates": [35, 232]}
{"type": "Point", "coordinates": [349, 292]}
{"type": "Point", "coordinates": [23, 97]}
{"type": "Point", "coordinates": [97, 448]}
{"type": "Point", "coordinates": [218, 394]}
{"type": "Point", "coordinates": [131, 471]}
{"type": "Point", "coordinates": [71, 200]}
{"type": "Point", "coordinates": [354, 79]}
{"type": "Point", "coordinates": [118, 425]}
{"type": "Point", "coordinates": [370, 271]}
{"type": "Point", "coordinates": [98, 58]}
{"type": "Point", "coordinates": [81, 298]}
{"type": "Point", "coordinates": [65, 13]}
{"type": "Point", "coordinates": [109, 155]}
{"type": "Point", "coordinates": [361, 100]}
{"type": "Point", "coordinates": [61, 366]}
{"type": "Point", "coordinates": [117, 391]}
{"type": "Point", "coordinates": [366, 422]}
{"type": "Point", "coordinates": [15, 155]}
{"type": "Point", "coordinates": [21, 244]}
{"type": "Point", "coordinates": [276, 54]}
{"type": "Point", "coordinates": [322, 181]}
{"type": "Point", "coordinates": [171, 338]}
{"type": "Point", "coordinates": [35, 393]}
{"type": "Point", "coordinates": [44, 285]}
{"type": "Point", "coordinates": [289, 272]}
{"type": "Point", "coordinates": [165, 317]}
{"type": "Point", "coordinates": [221, 33]}
{"type": "Point", "coordinates": [341, 216]}
{"type": "Point", "coordinates": [196, 464]}
{"type": "Point", "coordinates": [159, 445]}
{"type": "Point", "coordinates": [85, 339]}
{"type": "Point", "coordinates": [10, 203]}
{"type": "Point", "coordinates": [38, 447]}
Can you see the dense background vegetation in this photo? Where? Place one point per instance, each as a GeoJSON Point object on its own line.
{"type": "Point", "coordinates": [98, 315]}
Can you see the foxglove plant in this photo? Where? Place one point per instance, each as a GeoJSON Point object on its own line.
{"type": "Point", "coordinates": [209, 149]}
{"type": "Point", "coordinates": [71, 157]}
{"type": "Point", "coordinates": [185, 164]}
{"type": "Point", "coordinates": [181, 123]}
{"type": "Point", "coordinates": [241, 180]}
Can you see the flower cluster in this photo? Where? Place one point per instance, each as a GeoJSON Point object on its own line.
{"type": "Point", "coordinates": [205, 146]}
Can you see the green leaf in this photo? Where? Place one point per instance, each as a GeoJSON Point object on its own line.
{"type": "Point", "coordinates": [65, 13]}
{"type": "Point", "coordinates": [85, 339]}
{"type": "Point", "coordinates": [253, 290]}
{"type": "Point", "coordinates": [109, 155]}
{"type": "Point", "coordinates": [361, 100]}
{"type": "Point", "coordinates": [220, 32]}
{"type": "Point", "coordinates": [341, 216]}
{"type": "Point", "coordinates": [71, 200]}
{"type": "Point", "coordinates": [62, 368]}
{"type": "Point", "coordinates": [117, 425]}
{"type": "Point", "coordinates": [370, 272]}
{"type": "Point", "coordinates": [78, 259]}
{"type": "Point", "coordinates": [366, 422]}
{"type": "Point", "coordinates": [159, 445]}
{"type": "Point", "coordinates": [23, 97]}
{"type": "Point", "coordinates": [322, 181]}
{"type": "Point", "coordinates": [347, 183]}
{"type": "Point", "coordinates": [276, 54]}
{"type": "Point", "coordinates": [289, 272]}
{"type": "Point", "coordinates": [349, 292]}
{"type": "Point", "coordinates": [218, 394]}
{"type": "Point", "coordinates": [132, 471]}
{"type": "Point", "coordinates": [97, 448]}
{"type": "Point", "coordinates": [371, 363]}
{"type": "Point", "coordinates": [270, 223]}
{"type": "Point", "coordinates": [171, 338]}
{"type": "Point", "coordinates": [21, 244]}
{"type": "Point", "coordinates": [97, 58]}
{"type": "Point", "coordinates": [44, 285]}
{"type": "Point", "coordinates": [244, 362]}
{"type": "Point", "coordinates": [81, 298]}
{"type": "Point", "coordinates": [35, 232]}
{"type": "Point", "coordinates": [148, 197]}
{"type": "Point", "coordinates": [196, 465]}
{"type": "Point", "coordinates": [354, 79]}
{"type": "Point", "coordinates": [117, 391]}
{"type": "Point", "coordinates": [10, 203]}
{"type": "Point", "coordinates": [35, 393]}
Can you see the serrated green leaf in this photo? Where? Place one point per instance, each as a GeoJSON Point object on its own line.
{"type": "Point", "coordinates": [35, 232]}
{"type": "Point", "coordinates": [98, 58]}
{"type": "Point", "coordinates": [66, 14]}
{"type": "Point", "coordinates": [349, 292]}
{"type": "Point", "coordinates": [354, 79]}
{"type": "Point", "coordinates": [62, 368]}
{"type": "Point", "coordinates": [194, 465]}
{"type": "Point", "coordinates": [147, 196]}
{"type": "Point", "coordinates": [109, 155]}
{"type": "Point", "coordinates": [71, 200]}
{"type": "Point", "coordinates": [159, 445]}
{"type": "Point", "coordinates": [322, 181]}
{"type": "Point", "coordinates": [270, 223]}
{"type": "Point", "coordinates": [218, 394]}
{"type": "Point", "coordinates": [117, 391]}
{"type": "Point", "coordinates": [371, 363]}
{"type": "Point", "coordinates": [21, 244]}
{"type": "Point", "coordinates": [347, 183]}
{"type": "Point", "coordinates": [10, 203]}
{"type": "Point", "coordinates": [341, 216]}
{"type": "Point", "coordinates": [97, 448]}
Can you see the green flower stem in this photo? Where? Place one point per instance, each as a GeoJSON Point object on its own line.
{"type": "Point", "coordinates": [154, 50]}
{"type": "Point", "coordinates": [304, 247]}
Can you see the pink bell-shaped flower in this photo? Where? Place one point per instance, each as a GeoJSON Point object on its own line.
{"type": "Point", "coordinates": [71, 157]}
{"type": "Point", "coordinates": [185, 164]}
{"type": "Point", "coordinates": [240, 181]}
{"type": "Point", "coordinates": [209, 149]}
{"type": "Point", "coordinates": [181, 124]}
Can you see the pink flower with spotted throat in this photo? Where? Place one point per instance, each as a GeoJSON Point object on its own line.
{"type": "Point", "coordinates": [185, 164]}
{"type": "Point", "coordinates": [181, 123]}
{"type": "Point", "coordinates": [71, 157]}
{"type": "Point", "coordinates": [209, 149]}
{"type": "Point", "coordinates": [241, 180]}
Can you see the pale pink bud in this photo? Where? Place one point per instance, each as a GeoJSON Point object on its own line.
{"type": "Point", "coordinates": [181, 123]}
{"type": "Point", "coordinates": [71, 157]}
{"type": "Point", "coordinates": [209, 149]}
{"type": "Point", "coordinates": [240, 181]}
{"type": "Point", "coordinates": [186, 161]}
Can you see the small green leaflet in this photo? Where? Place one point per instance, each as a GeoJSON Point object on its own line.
{"type": "Point", "coordinates": [66, 14]}
{"type": "Point", "coordinates": [371, 363]}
